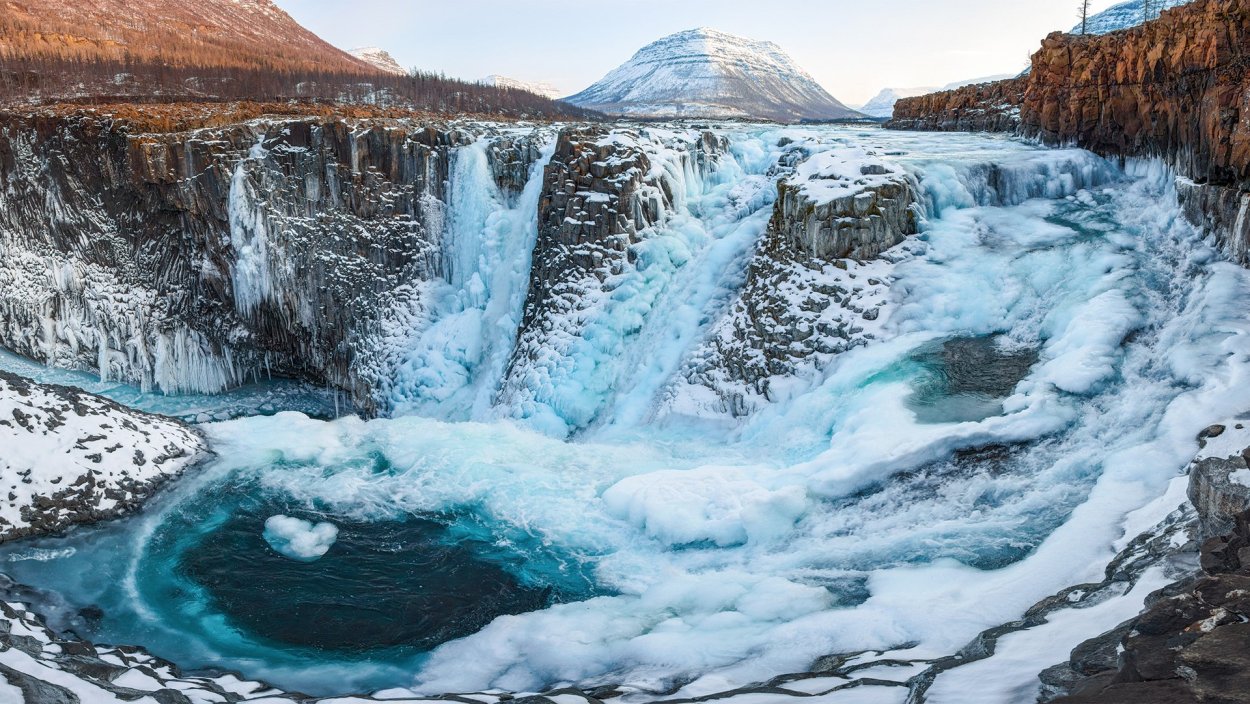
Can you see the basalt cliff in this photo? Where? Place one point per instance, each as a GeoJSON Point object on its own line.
{"type": "Point", "coordinates": [311, 247]}
{"type": "Point", "coordinates": [1174, 88]}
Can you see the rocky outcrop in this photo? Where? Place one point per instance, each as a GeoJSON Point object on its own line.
{"type": "Point", "coordinates": [984, 107]}
{"type": "Point", "coordinates": [197, 261]}
{"type": "Point", "coordinates": [813, 289]}
{"type": "Point", "coordinates": [1192, 644]}
{"type": "Point", "coordinates": [1219, 479]}
{"type": "Point", "coordinates": [72, 458]}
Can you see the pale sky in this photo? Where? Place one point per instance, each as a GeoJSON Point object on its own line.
{"type": "Point", "coordinates": [853, 47]}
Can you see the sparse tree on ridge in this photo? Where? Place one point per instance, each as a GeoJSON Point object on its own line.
{"type": "Point", "coordinates": [1146, 7]}
{"type": "Point", "coordinates": [1084, 15]}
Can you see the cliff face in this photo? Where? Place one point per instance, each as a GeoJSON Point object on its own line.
{"type": "Point", "coordinates": [319, 249]}
{"type": "Point", "coordinates": [985, 107]}
{"type": "Point", "coordinates": [197, 261]}
{"type": "Point", "coordinates": [1176, 88]}
{"type": "Point", "coordinates": [812, 289]}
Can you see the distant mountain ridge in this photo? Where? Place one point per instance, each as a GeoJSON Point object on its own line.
{"type": "Point", "coordinates": [705, 73]}
{"type": "Point", "coordinates": [117, 51]}
{"type": "Point", "coordinates": [379, 59]}
{"type": "Point", "coordinates": [235, 34]}
{"type": "Point", "coordinates": [883, 104]}
{"type": "Point", "coordinates": [544, 89]}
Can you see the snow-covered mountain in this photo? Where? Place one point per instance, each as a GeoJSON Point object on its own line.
{"type": "Point", "coordinates": [380, 59]}
{"type": "Point", "coordinates": [706, 73]}
{"type": "Point", "coordinates": [1124, 15]}
{"type": "Point", "coordinates": [544, 89]}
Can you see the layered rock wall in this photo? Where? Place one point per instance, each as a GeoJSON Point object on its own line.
{"type": "Point", "coordinates": [985, 107]}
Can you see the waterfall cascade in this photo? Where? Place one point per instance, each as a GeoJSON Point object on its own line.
{"type": "Point", "coordinates": [983, 416]}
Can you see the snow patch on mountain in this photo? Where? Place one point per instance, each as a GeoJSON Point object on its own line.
{"type": "Point", "coordinates": [704, 73]}
{"type": "Point", "coordinates": [380, 59]}
{"type": "Point", "coordinates": [1125, 15]}
{"type": "Point", "coordinates": [546, 90]}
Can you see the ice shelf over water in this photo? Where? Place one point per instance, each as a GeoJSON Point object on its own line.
{"type": "Point", "coordinates": [727, 550]}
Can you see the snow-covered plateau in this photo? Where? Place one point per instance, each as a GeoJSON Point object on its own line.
{"type": "Point", "coordinates": [741, 412]}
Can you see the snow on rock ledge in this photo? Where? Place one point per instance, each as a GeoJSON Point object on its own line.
{"type": "Point", "coordinates": [817, 285]}
{"type": "Point", "coordinates": [68, 457]}
{"type": "Point", "coordinates": [1219, 478]}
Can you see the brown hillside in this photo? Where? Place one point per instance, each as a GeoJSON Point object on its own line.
{"type": "Point", "coordinates": [232, 34]}
{"type": "Point", "coordinates": [163, 51]}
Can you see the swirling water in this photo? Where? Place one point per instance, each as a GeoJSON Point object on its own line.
{"type": "Point", "coordinates": [1056, 338]}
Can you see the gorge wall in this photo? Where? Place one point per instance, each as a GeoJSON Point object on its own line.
{"type": "Point", "coordinates": [199, 261]}
{"type": "Point", "coordinates": [1177, 88]}
{"type": "Point", "coordinates": [322, 249]}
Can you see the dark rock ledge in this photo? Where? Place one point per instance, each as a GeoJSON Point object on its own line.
{"type": "Point", "coordinates": [1192, 644]}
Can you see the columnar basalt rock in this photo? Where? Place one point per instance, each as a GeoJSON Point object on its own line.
{"type": "Point", "coordinates": [603, 193]}
{"type": "Point", "coordinates": [197, 261]}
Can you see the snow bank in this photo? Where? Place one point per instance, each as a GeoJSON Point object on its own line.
{"type": "Point", "coordinates": [67, 457]}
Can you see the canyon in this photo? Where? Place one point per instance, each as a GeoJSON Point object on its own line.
{"type": "Point", "coordinates": [678, 411]}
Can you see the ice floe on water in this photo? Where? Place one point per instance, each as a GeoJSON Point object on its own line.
{"type": "Point", "coordinates": [686, 554]}
{"type": "Point", "coordinates": [299, 539]}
